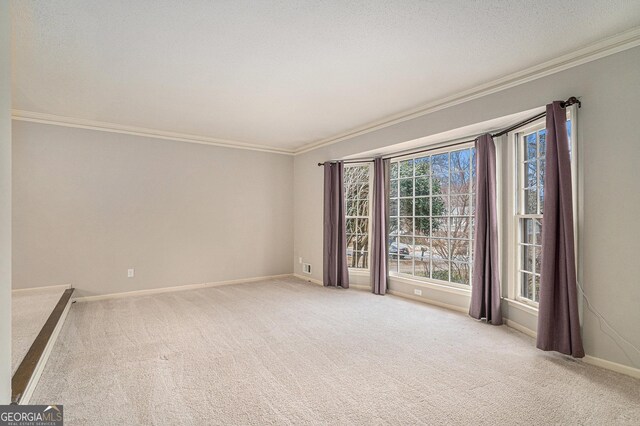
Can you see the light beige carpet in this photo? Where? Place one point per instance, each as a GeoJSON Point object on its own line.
{"type": "Point", "coordinates": [29, 311]}
{"type": "Point", "coordinates": [289, 352]}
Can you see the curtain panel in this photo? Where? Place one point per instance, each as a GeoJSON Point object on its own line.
{"type": "Point", "coordinates": [558, 320]}
{"type": "Point", "coordinates": [485, 291]}
{"type": "Point", "coordinates": [379, 271]}
{"type": "Point", "coordinates": [335, 268]}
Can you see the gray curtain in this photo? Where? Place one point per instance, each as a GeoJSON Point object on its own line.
{"type": "Point", "coordinates": [379, 237]}
{"type": "Point", "coordinates": [485, 285]}
{"type": "Point", "coordinates": [335, 269]}
{"type": "Point", "coordinates": [558, 321]}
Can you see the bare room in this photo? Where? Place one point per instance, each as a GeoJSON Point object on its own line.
{"type": "Point", "coordinates": [319, 212]}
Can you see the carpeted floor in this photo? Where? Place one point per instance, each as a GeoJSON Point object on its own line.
{"type": "Point", "coordinates": [289, 352]}
{"type": "Point", "coordinates": [29, 311]}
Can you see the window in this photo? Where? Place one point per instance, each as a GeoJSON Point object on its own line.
{"type": "Point", "coordinates": [357, 200]}
{"type": "Point", "coordinates": [431, 216]}
{"type": "Point", "coordinates": [530, 154]}
{"type": "Point", "coordinates": [530, 200]}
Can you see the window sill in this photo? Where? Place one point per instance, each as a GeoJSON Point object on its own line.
{"type": "Point", "coordinates": [430, 285]}
{"type": "Point", "coordinates": [359, 272]}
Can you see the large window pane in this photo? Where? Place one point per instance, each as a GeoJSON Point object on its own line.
{"type": "Point", "coordinates": [422, 166]}
{"type": "Point", "coordinates": [435, 223]}
{"type": "Point", "coordinates": [362, 226]}
{"type": "Point", "coordinates": [405, 255]}
{"type": "Point", "coordinates": [440, 227]}
{"type": "Point", "coordinates": [363, 208]}
{"type": "Point", "coordinates": [422, 186]}
{"type": "Point", "coordinates": [527, 258]}
{"type": "Point", "coordinates": [440, 247]}
{"type": "Point", "coordinates": [460, 171]}
{"type": "Point", "coordinates": [531, 148]}
{"type": "Point", "coordinates": [460, 250]}
{"type": "Point", "coordinates": [531, 200]}
{"type": "Point", "coordinates": [393, 226]}
{"type": "Point", "coordinates": [440, 174]}
{"type": "Point", "coordinates": [460, 205]}
{"type": "Point", "coordinates": [393, 189]}
{"type": "Point", "coordinates": [406, 226]}
{"type": "Point", "coordinates": [351, 249]}
{"type": "Point", "coordinates": [406, 187]}
{"type": "Point", "coordinates": [460, 227]}
{"type": "Point", "coordinates": [440, 205]}
{"type": "Point", "coordinates": [406, 168]}
{"type": "Point", "coordinates": [422, 248]}
{"type": "Point", "coordinates": [440, 270]}
{"type": "Point", "coordinates": [406, 207]}
{"type": "Point", "coordinates": [531, 179]}
{"type": "Point", "coordinates": [393, 207]}
{"type": "Point", "coordinates": [423, 226]}
{"type": "Point", "coordinates": [393, 256]}
{"type": "Point", "coordinates": [527, 231]}
{"type": "Point", "coordinates": [393, 169]}
{"type": "Point", "coordinates": [460, 273]}
{"type": "Point", "coordinates": [356, 185]}
{"type": "Point", "coordinates": [422, 206]}
{"type": "Point", "coordinates": [361, 255]}
{"type": "Point", "coordinates": [527, 285]}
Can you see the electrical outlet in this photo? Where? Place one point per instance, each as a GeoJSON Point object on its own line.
{"type": "Point", "coordinates": [417, 292]}
{"type": "Point", "coordinates": [306, 268]}
{"type": "Point", "coordinates": [131, 273]}
{"type": "Point", "coordinates": [300, 259]}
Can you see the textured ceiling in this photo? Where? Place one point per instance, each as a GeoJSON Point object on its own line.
{"type": "Point", "coordinates": [282, 73]}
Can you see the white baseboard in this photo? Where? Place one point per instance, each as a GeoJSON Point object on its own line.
{"type": "Point", "coordinates": [175, 288]}
{"type": "Point", "coordinates": [392, 292]}
{"type": "Point", "coordinates": [521, 328]}
{"type": "Point", "coordinates": [429, 301]}
{"type": "Point", "coordinates": [318, 282]}
{"type": "Point", "coordinates": [588, 359]}
{"type": "Point", "coordinates": [308, 279]}
{"type": "Point", "coordinates": [60, 287]}
{"type": "Point", "coordinates": [37, 372]}
{"type": "Point", "coordinates": [613, 366]}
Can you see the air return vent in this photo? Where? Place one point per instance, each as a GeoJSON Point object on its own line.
{"type": "Point", "coordinates": [306, 268]}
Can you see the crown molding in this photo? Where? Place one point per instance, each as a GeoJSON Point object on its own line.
{"type": "Point", "coordinates": [81, 123]}
{"type": "Point", "coordinates": [608, 46]}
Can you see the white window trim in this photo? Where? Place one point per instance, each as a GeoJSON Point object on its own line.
{"type": "Point", "coordinates": [365, 271]}
{"type": "Point", "coordinates": [437, 284]}
{"type": "Point", "coordinates": [444, 286]}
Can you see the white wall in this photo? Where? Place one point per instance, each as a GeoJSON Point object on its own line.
{"type": "Point", "coordinates": [5, 203]}
{"type": "Point", "coordinates": [610, 150]}
{"type": "Point", "coordinates": [88, 205]}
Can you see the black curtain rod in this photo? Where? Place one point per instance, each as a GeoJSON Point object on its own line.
{"type": "Point", "coordinates": [571, 101]}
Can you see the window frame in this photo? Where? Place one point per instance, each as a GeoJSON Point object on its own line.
{"type": "Point", "coordinates": [369, 165]}
{"type": "Point", "coordinates": [515, 255]}
{"type": "Point", "coordinates": [519, 145]}
{"type": "Point", "coordinates": [447, 148]}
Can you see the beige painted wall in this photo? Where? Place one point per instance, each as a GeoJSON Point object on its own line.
{"type": "Point", "coordinates": [5, 203]}
{"type": "Point", "coordinates": [610, 150]}
{"type": "Point", "coordinates": [88, 205]}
